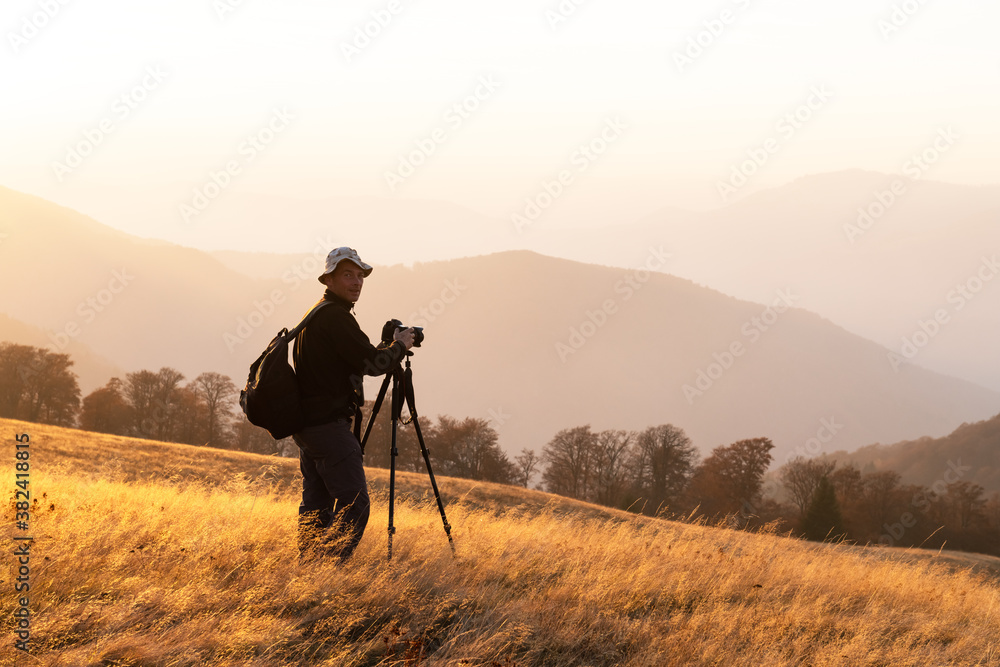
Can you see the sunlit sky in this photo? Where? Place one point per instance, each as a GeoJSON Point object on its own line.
{"type": "Point", "coordinates": [556, 79]}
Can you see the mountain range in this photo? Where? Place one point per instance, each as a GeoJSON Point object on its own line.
{"type": "Point", "coordinates": [879, 254]}
{"type": "Point", "coordinates": [531, 342]}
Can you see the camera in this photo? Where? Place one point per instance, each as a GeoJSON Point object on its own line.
{"type": "Point", "coordinates": [392, 326]}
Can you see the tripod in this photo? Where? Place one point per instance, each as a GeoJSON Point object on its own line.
{"type": "Point", "coordinates": [402, 388]}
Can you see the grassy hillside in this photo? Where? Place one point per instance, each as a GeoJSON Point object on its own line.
{"type": "Point", "coordinates": [67, 452]}
{"type": "Point", "coordinates": [155, 554]}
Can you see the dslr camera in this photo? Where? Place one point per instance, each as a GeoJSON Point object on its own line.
{"type": "Point", "coordinates": [392, 326]}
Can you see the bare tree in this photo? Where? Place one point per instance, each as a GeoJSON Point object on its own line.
{"type": "Point", "coordinates": [140, 392]}
{"type": "Point", "coordinates": [153, 398]}
{"type": "Point", "coordinates": [186, 417]}
{"type": "Point", "coordinates": [569, 462]}
{"type": "Point", "coordinates": [847, 482]}
{"type": "Point", "coordinates": [848, 485]}
{"type": "Point", "coordinates": [612, 454]}
{"type": "Point", "coordinates": [966, 502]}
{"type": "Point", "coordinates": [822, 520]}
{"type": "Point", "coordinates": [525, 465]}
{"type": "Point", "coordinates": [217, 392]}
{"type": "Point", "coordinates": [801, 477]}
{"type": "Point", "coordinates": [664, 463]}
{"type": "Point", "coordinates": [880, 498]}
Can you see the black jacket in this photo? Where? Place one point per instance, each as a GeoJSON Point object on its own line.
{"type": "Point", "coordinates": [332, 355]}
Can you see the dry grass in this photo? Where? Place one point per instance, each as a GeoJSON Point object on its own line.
{"type": "Point", "coordinates": [168, 570]}
{"type": "Point", "coordinates": [118, 458]}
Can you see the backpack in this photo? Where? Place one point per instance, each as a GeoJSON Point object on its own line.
{"type": "Point", "coordinates": [271, 398]}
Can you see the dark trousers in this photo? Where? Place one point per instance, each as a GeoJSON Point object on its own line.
{"type": "Point", "coordinates": [335, 501]}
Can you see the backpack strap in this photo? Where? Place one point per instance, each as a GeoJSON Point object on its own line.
{"type": "Point", "coordinates": [305, 320]}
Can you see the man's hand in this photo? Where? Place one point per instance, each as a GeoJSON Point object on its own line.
{"type": "Point", "coordinates": [405, 337]}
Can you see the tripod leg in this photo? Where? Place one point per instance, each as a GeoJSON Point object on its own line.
{"type": "Point", "coordinates": [375, 409]}
{"type": "Point", "coordinates": [397, 407]}
{"type": "Point", "coordinates": [410, 404]}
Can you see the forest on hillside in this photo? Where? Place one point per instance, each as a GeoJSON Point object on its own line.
{"type": "Point", "coordinates": [972, 448]}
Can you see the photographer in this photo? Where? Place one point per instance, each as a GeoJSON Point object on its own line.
{"type": "Point", "coordinates": [331, 356]}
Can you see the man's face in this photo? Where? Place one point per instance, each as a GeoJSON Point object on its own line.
{"type": "Point", "coordinates": [346, 281]}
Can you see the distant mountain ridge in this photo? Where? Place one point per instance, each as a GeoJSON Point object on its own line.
{"type": "Point", "coordinates": [498, 330]}
{"type": "Point", "coordinates": [970, 453]}
{"type": "Point", "coordinates": [876, 253]}
{"type": "Point", "coordinates": [918, 247]}
{"type": "Point", "coordinates": [92, 369]}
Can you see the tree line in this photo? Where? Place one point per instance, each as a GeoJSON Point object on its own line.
{"type": "Point", "coordinates": [828, 500]}
{"type": "Point", "coordinates": [39, 385]}
{"type": "Point", "coordinates": [655, 471]}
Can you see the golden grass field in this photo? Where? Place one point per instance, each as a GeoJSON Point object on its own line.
{"type": "Point", "coordinates": [148, 553]}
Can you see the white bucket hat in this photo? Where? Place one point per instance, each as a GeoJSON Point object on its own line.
{"type": "Point", "coordinates": [337, 255]}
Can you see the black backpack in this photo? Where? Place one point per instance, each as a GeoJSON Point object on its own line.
{"type": "Point", "coordinates": [271, 398]}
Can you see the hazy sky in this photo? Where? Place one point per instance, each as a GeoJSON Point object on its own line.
{"type": "Point", "coordinates": [486, 104]}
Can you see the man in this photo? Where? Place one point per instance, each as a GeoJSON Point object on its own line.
{"type": "Point", "coordinates": [331, 356]}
